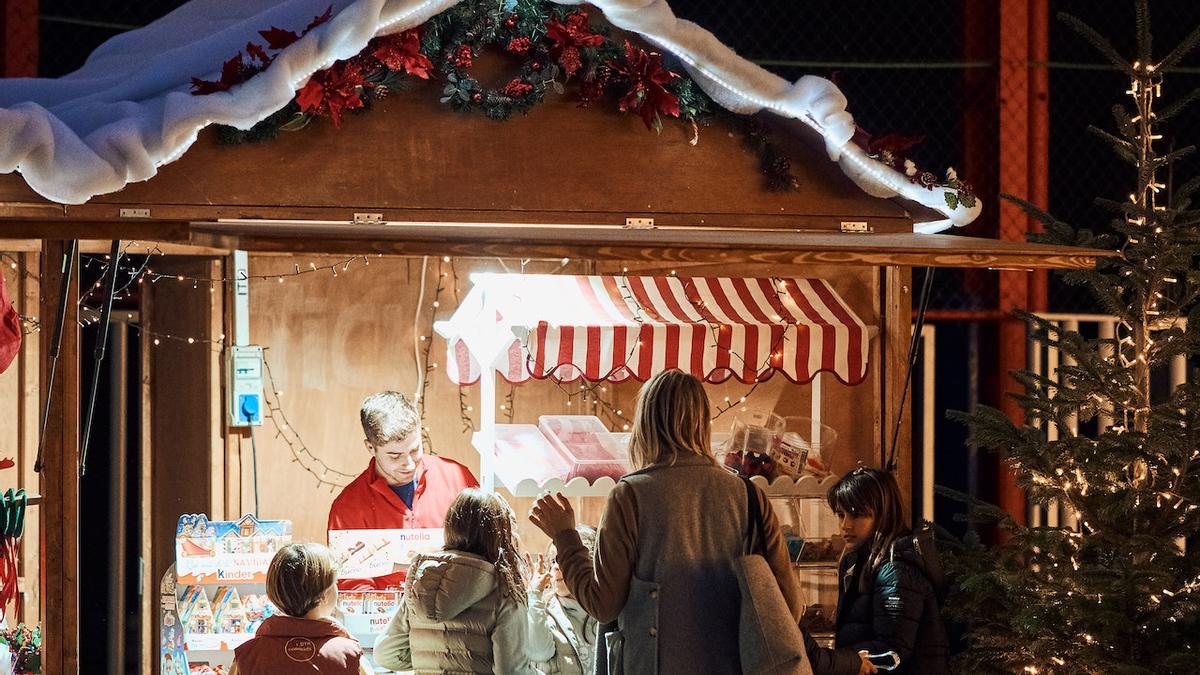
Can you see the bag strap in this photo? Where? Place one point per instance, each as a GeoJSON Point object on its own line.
{"type": "Point", "coordinates": [754, 526]}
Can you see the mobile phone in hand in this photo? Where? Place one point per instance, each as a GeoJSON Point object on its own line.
{"type": "Point", "coordinates": [885, 661]}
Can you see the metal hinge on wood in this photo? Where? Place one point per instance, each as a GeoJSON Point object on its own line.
{"type": "Point", "coordinates": [639, 223]}
{"type": "Point", "coordinates": [135, 213]}
{"type": "Point", "coordinates": [855, 226]}
{"type": "Point", "coordinates": [368, 219]}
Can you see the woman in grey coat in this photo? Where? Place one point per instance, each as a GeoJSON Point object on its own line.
{"type": "Point", "coordinates": [663, 566]}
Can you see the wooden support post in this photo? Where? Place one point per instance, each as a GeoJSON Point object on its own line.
{"type": "Point", "coordinates": [60, 474]}
{"type": "Point", "coordinates": [895, 332]}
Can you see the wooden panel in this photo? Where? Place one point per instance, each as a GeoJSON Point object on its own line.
{"type": "Point", "coordinates": [557, 162]}
{"type": "Point", "coordinates": [333, 341]}
{"type": "Point", "coordinates": [662, 245]}
{"type": "Point", "coordinates": [180, 377]}
{"type": "Point", "coordinates": [326, 362]}
{"type": "Point", "coordinates": [149, 636]}
{"type": "Point", "coordinates": [60, 476]}
{"type": "Point", "coordinates": [895, 336]}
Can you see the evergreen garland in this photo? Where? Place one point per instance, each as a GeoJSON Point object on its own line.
{"type": "Point", "coordinates": [1114, 592]}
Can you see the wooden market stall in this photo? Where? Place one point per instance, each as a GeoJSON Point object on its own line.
{"type": "Point", "coordinates": [427, 198]}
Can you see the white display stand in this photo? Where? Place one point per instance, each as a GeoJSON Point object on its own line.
{"type": "Point", "coordinates": [210, 555]}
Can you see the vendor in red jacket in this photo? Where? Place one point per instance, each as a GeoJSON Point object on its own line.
{"type": "Point", "coordinates": [402, 486]}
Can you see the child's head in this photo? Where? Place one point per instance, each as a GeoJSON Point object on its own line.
{"type": "Point", "coordinates": [391, 433]}
{"type": "Point", "coordinates": [588, 536]}
{"type": "Point", "coordinates": [869, 509]}
{"type": "Point", "coordinates": [302, 580]}
{"type": "Point", "coordinates": [672, 417]}
{"type": "Point", "coordinates": [482, 523]}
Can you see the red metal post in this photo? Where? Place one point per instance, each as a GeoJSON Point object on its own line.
{"type": "Point", "coordinates": [1015, 154]}
{"type": "Point", "coordinates": [18, 38]}
{"type": "Point", "coordinates": [1039, 131]}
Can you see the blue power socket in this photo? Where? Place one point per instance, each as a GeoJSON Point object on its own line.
{"type": "Point", "coordinates": [249, 409]}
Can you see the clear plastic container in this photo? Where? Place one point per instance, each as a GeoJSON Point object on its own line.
{"type": "Point", "coordinates": [819, 585]}
{"type": "Point", "coordinates": [523, 451]}
{"type": "Point", "coordinates": [587, 445]}
{"type": "Point", "coordinates": [804, 444]}
{"type": "Point", "coordinates": [752, 438]}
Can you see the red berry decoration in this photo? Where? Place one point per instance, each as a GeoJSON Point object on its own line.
{"type": "Point", "coordinates": [536, 66]}
{"type": "Point", "coordinates": [477, 97]}
{"type": "Point", "coordinates": [510, 22]}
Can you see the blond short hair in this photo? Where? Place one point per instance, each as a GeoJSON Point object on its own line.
{"type": "Point", "coordinates": [672, 417]}
{"type": "Point", "coordinates": [299, 577]}
{"type": "Point", "coordinates": [387, 417]}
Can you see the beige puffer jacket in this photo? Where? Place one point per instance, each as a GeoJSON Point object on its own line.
{"type": "Point", "coordinates": [453, 620]}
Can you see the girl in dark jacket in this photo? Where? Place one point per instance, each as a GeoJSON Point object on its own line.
{"type": "Point", "coordinates": [891, 583]}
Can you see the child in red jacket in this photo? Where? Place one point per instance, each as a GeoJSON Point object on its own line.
{"type": "Point", "coordinates": [302, 582]}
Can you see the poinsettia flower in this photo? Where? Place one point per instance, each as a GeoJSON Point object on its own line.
{"type": "Point", "coordinates": [331, 91]}
{"type": "Point", "coordinates": [647, 79]}
{"type": "Point", "coordinates": [568, 38]}
{"type": "Point", "coordinates": [278, 38]}
{"type": "Point", "coordinates": [231, 74]}
{"type": "Point", "coordinates": [401, 52]}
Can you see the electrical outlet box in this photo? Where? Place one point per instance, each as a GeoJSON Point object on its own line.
{"type": "Point", "coordinates": [246, 402]}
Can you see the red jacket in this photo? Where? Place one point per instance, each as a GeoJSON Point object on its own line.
{"type": "Point", "coordinates": [287, 645]}
{"type": "Point", "coordinates": [368, 503]}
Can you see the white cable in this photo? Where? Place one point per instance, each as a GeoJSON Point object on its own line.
{"type": "Point", "coordinates": [417, 333]}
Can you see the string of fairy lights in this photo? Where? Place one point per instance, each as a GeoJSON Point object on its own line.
{"type": "Point", "coordinates": [136, 267]}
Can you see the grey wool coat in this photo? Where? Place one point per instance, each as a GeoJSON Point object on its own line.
{"type": "Point", "coordinates": [663, 567]}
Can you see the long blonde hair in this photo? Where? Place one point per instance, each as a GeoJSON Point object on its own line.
{"type": "Point", "coordinates": [484, 524]}
{"type": "Point", "coordinates": [672, 417]}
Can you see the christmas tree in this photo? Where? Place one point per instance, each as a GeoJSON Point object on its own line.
{"type": "Point", "coordinates": [1116, 589]}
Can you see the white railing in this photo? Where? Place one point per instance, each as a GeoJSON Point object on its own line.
{"type": "Point", "coordinates": [1045, 361]}
{"type": "Point", "coordinates": [1040, 359]}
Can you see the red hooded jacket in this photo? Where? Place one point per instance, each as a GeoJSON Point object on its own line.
{"type": "Point", "coordinates": [286, 645]}
{"type": "Point", "coordinates": [368, 503]}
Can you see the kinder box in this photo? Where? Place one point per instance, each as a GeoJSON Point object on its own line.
{"type": "Point", "coordinates": [227, 551]}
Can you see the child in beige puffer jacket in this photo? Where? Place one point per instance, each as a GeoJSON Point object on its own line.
{"type": "Point", "coordinates": [464, 609]}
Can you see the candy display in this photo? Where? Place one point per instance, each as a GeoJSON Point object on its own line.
{"type": "Point", "coordinates": [590, 450]}
{"type": "Point", "coordinates": [229, 616]}
{"type": "Point", "coordinates": [195, 611]}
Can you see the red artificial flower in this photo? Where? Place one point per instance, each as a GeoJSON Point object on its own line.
{"type": "Point", "coordinates": [231, 74]}
{"type": "Point", "coordinates": [401, 52]}
{"type": "Point", "coordinates": [568, 38]}
{"type": "Point", "coordinates": [255, 51]}
{"type": "Point", "coordinates": [462, 56]}
{"type": "Point", "coordinates": [647, 80]}
{"type": "Point", "coordinates": [519, 45]}
{"type": "Point", "coordinates": [516, 89]}
{"type": "Point", "coordinates": [278, 38]}
{"type": "Point", "coordinates": [331, 91]}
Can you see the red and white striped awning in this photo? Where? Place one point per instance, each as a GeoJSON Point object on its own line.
{"type": "Point", "coordinates": [616, 327]}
